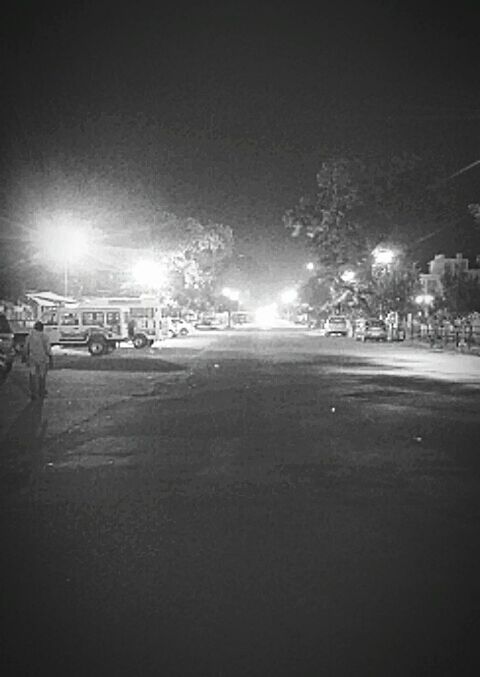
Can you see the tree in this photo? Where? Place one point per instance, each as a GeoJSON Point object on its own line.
{"type": "Point", "coordinates": [460, 295]}
{"type": "Point", "coordinates": [195, 256]}
{"type": "Point", "coordinates": [362, 203]}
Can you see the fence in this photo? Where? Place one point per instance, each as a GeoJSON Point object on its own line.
{"type": "Point", "coordinates": [463, 337]}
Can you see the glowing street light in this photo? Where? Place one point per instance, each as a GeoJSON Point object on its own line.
{"type": "Point", "coordinates": [348, 276]}
{"type": "Point", "coordinates": [149, 274]}
{"type": "Point", "coordinates": [310, 266]}
{"type": "Point", "coordinates": [232, 294]}
{"type": "Point", "coordinates": [383, 256]}
{"type": "Point", "coordinates": [266, 315]}
{"type": "Point", "coordinates": [289, 296]}
{"type": "Point", "coordinates": [63, 241]}
{"type": "Point", "coordinates": [424, 299]}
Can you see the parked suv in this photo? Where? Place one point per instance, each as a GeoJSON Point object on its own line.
{"type": "Point", "coordinates": [371, 329]}
{"type": "Point", "coordinates": [99, 328]}
{"type": "Point", "coordinates": [7, 350]}
{"type": "Point", "coordinates": [336, 325]}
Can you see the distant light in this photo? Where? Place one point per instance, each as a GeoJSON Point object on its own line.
{"type": "Point", "coordinates": [310, 266]}
{"type": "Point", "coordinates": [289, 296]}
{"type": "Point", "coordinates": [348, 276]}
{"type": "Point", "coordinates": [149, 274]}
{"type": "Point", "coordinates": [266, 315]}
{"type": "Point", "coordinates": [232, 294]}
{"type": "Point", "coordinates": [383, 257]}
{"type": "Point", "coordinates": [424, 299]}
{"type": "Point", "coordinates": [62, 242]}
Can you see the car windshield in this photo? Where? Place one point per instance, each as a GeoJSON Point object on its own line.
{"type": "Point", "coordinates": [376, 323]}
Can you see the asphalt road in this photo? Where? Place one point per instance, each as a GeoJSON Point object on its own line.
{"type": "Point", "coordinates": [258, 503]}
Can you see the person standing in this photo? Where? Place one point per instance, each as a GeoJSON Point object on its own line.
{"type": "Point", "coordinates": [38, 353]}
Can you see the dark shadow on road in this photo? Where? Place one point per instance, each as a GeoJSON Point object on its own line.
{"type": "Point", "coordinates": [21, 448]}
{"type": "Point", "coordinates": [115, 363]}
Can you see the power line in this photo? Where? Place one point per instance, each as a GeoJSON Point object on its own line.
{"type": "Point", "coordinates": [464, 169]}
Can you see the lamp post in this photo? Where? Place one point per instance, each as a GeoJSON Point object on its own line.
{"type": "Point", "coordinates": [288, 297]}
{"type": "Point", "coordinates": [63, 241]}
{"type": "Point", "coordinates": [231, 295]}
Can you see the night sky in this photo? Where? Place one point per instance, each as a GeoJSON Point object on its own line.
{"type": "Point", "coordinates": [224, 110]}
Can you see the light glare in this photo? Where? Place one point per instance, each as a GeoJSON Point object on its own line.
{"type": "Point", "coordinates": [383, 257]}
{"type": "Point", "coordinates": [149, 274]}
{"type": "Point", "coordinates": [266, 315]}
{"type": "Point", "coordinates": [289, 295]}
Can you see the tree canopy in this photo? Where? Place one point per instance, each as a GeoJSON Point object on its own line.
{"type": "Point", "coordinates": [195, 256]}
{"type": "Point", "coordinates": [361, 203]}
{"type": "Point", "coordinates": [460, 295]}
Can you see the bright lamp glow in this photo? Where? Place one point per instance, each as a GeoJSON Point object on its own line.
{"type": "Point", "coordinates": [148, 274]}
{"type": "Point", "coordinates": [348, 276]}
{"type": "Point", "coordinates": [266, 315]}
{"type": "Point", "coordinates": [310, 266]}
{"type": "Point", "coordinates": [232, 294]}
{"type": "Point", "coordinates": [383, 257]}
{"type": "Point", "coordinates": [424, 299]}
{"type": "Point", "coordinates": [61, 243]}
{"type": "Point", "coordinates": [289, 295]}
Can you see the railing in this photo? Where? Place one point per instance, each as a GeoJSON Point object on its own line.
{"type": "Point", "coordinates": [463, 337]}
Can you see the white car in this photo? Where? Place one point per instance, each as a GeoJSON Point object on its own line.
{"type": "Point", "coordinates": [336, 325]}
{"type": "Point", "coordinates": [179, 327]}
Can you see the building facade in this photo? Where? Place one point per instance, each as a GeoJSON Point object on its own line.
{"type": "Point", "coordinates": [440, 265]}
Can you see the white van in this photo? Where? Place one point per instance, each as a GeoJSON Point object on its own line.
{"type": "Point", "coordinates": [100, 329]}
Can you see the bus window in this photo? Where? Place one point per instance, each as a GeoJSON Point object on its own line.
{"type": "Point", "coordinates": [113, 318]}
{"type": "Point", "coordinates": [93, 317]}
{"type": "Point", "coordinates": [142, 311]}
{"type": "Point", "coordinates": [70, 320]}
{"type": "Point", "coordinates": [50, 318]}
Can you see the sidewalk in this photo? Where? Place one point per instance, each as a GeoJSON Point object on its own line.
{"type": "Point", "coordinates": [448, 347]}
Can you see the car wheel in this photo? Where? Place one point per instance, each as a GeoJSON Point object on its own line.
{"type": "Point", "coordinates": [183, 331]}
{"type": "Point", "coordinates": [97, 346]}
{"type": "Point", "coordinates": [139, 341]}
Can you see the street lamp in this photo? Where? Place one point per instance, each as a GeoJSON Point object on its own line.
{"type": "Point", "coordinates": [310, 266]}
{"type": "Point", "coordinates": [232, 294]}
{"type": "Point", "coordinates": [289, 295]}
{"type": "Point", "coordinates": [62, 241]}
{"type": "Point", "coordinates": [266, 315]}
{"type": "Point", "coordinates": [149, 274]}
{"type": "Point", "coordinates": [424, 299]}
{"type": "Point", "coordinates": [348, 276]}
{"type": "Point", "coordinates": [383, 256]}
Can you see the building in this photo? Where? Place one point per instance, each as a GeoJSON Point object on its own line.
{"type": "Point", "coordinates": [440, 265]}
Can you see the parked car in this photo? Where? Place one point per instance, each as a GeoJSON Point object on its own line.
{"type": "Point", "coordinates": [7, 347]}
{"type": "Point", "coordinates": [179, 327]}
{"type": "Point", "coordinates": [336, 325]}
{"type": "Point", "coordinates": [207, 325]}
{"type": "Point", "coordinates": [371, 329]}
